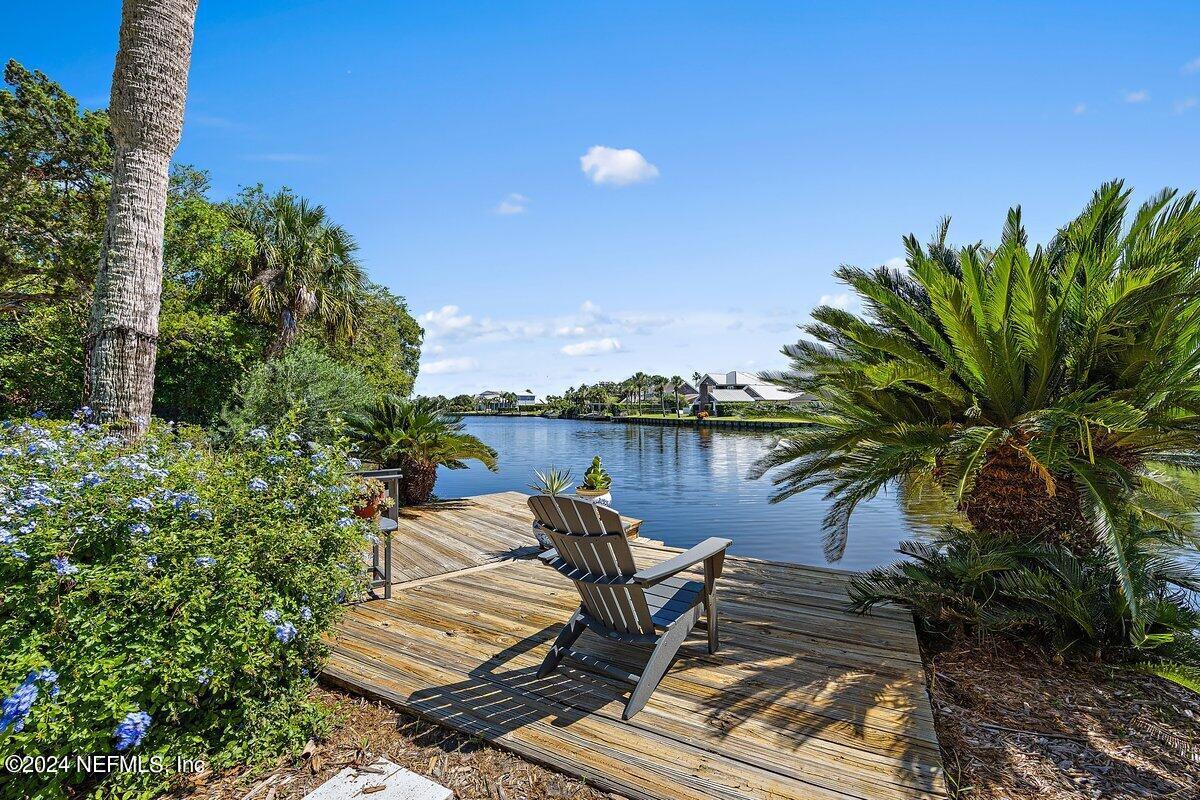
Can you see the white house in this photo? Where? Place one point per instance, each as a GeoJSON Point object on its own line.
{"type": "Point", "coordinates": [717, 388]}
{"type": "Point", "coordinates": [493, 398]}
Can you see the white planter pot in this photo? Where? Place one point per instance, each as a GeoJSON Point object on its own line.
{"type": "Point", "coordinates": [603, 498]}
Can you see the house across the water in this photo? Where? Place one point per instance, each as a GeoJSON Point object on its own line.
{"type": "Point", "coordinates": [495, 399]}
{"type": "Point", "coordinates": [721, 392]}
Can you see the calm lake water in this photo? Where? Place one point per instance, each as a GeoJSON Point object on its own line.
{"type": "Point", "coordinates": [686, 483]}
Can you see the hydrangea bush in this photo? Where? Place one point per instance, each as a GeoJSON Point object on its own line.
{"type": "Point", "coordinates": [161, 598]}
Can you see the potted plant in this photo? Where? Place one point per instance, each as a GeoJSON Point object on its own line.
{"type": "Point", "coordinates": [596, 484]}
{"type": "Point", "coordinates": [552, 482]}
{"type": "Point", "coordinates": [371, 498]}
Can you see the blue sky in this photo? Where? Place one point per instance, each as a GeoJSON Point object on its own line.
{"type": "Point", "coordinates": [772, 142]}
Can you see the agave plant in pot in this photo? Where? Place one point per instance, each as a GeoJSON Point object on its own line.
{"type": "Point", "coordinates": [553, 482]}
{"type": "Point", "coordinates": [596, 484]}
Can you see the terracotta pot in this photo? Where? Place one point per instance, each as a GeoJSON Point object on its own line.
{"type": "Point", "coordinates": [370, 510]}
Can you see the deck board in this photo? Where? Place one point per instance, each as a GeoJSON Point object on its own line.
{"type": "Point", "coordinates": [804, 700]}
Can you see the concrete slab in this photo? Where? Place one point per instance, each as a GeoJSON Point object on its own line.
{"type": "Point", "coordinates": [398, 784]}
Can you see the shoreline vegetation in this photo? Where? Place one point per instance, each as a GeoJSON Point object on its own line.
{"type": "Point", "coordinates": [744, 423]}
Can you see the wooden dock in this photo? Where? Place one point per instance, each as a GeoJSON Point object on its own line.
{"type": "Point", "coordinates": [803, 700]}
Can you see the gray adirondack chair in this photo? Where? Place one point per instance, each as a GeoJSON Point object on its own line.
{"type": "Point", "coordinates": [652, 606]}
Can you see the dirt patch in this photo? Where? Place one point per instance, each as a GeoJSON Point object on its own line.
{"type": "Point", "coordinates": [1015, 727]}
{"type": "Point", "coordinates": [364, 730]}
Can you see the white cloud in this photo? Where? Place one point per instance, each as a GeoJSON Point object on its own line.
{"type": "Point", "coordinates": [1138, 96]}
{"type": "Point", "coordinates": [1080, 108]}
{"type": "Point", "coordinates": [840, 300]}
{"type": "Point", "coordinates": [896, 262]}
{"type": "Point", "coordinates": [1186, 104]}
{"type": "Point", "coordinates": [446, 321]}
{"type": "Point", "coordinates": [592, 347]}
{"type": "Point", "coordinates": [512, 204]}
{"type": "Point", "coordinates": [1191, 67]}
{"type": "Point", "coordinates": [449, 366]}
{"type": "Point", "coordinates": [617, 167]}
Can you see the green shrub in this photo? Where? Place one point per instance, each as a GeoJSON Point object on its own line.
{"type": "Point", "coordinates": [168, 580]}
{"type": "Point", "coordinates": [305, 381]}
{"type": "Point", "coordinates": [1075, 604]}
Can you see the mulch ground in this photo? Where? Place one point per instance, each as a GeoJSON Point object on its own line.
{"type": "Point", "coordinates": [363, 731]}
{"type": "Point", "coordinates": [1015, 727]}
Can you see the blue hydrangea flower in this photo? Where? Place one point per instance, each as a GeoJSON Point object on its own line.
{"type": "Point", "coordinates": [288, 505]}
{"type": "Point", "coordinates": [39, 414]}
{"type": "Point", "coordinates": [63, 566]}
{"type": "Point", "coordinates": [293, 437]}
{"type": "Point", "coordinates": [305, 613]}
{"type": "Point", "coordinates": [257, 485]}
{"type": "Point", "coordinates": [259, 434]}
{"type": "Point", "coordinates": [16, 707]}
{"type": "Point", "coordinates": [345, 522]}
{"type": "Point", "coordinates": [285, 632]}
{"type": "Point", "coordinates": [205, 561]}
{"type": "Point", "coordinates": [83, 412]}
{"type": "Point", "coordinates": [28, 527]}
{"type": "Point", "coordinates": [139, 529]}
{"type": "Point", "coordinates": [271, 616]}
{"type": "Point", "coordinates": [20, 555]}
{"type": "Point", "coordinates": [354, 463]}
{"type": "Point", "coordinates": [199, 514]}
{"type": "Point", "coordinates": [275, 460]}
{"type": "Point", "coordinates": [9, 452]}
{"type": "Point", "coordinates": [6, 537]}
{"type": "Point", "coordinates": [151, 562]}
{"type": "Point", "coordinates": [204, 676]}
{"type": "Point", "coordinates": [89, 480]}
{"type": "Point", "coordinates": [142, 504]}
{"type": "Point", "coordinates": [132, 730]}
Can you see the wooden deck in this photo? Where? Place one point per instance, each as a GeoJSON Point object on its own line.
{"type": "Point", "coordinates": [803, 701]}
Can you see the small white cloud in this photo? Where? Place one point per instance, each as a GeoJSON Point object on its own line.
{"type": "Point", "coordinates": [616, 167]}
{"type": "Point", "coordinates": [1191, 67]}
{"type": "Point", "coordinates": [570, 330]}
{"type": "Point", "coordinates": [1080, 108]}
{"type": "Point", "coordinates": [512, 204]}
{"type": "Point", "coordinates": [449, 366]}
{"type": "Point", "coordinates": [1138, 96]}
{"type": "Point", "coordinates": [593, 347]}
{"type": "Point", "coordinates": [896, 262]}
{"type": "Point", "coordinates": [1186, 104]}
{"type": "Point", "coordinates": [841, 300]}
{"type": "Point", "coordinates": [446, 320]}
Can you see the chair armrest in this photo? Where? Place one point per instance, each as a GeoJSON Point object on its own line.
{"type": "Point", "coordinates": [547, 556]}
{"type": "Point", "coordinates": [707, 549]}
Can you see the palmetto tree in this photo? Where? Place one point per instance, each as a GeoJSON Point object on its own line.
{"type": "Point", "coordinates": [303, 267]}
{"type": "Point", "coordinates": [675, 381]}
{"type": "Point", "coordinates": [149, 91]}
{"type": "Point", "coordinates": [418, 436]}
{"type": "Point", "coordinates": [1040, 388]}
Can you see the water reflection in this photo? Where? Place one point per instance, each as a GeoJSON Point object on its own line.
{"type": "Point", "coordinates": [690, 483]}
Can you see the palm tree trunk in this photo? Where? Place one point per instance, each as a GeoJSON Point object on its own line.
{"type": "Point", "coordinates": [146, 115]}
{"type": "Point", "coordinates": [416, 485]}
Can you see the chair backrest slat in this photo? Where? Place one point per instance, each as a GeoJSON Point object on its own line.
{"type": "Point", "coordinates": [590, 538]}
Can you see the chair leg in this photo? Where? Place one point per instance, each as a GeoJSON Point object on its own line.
{"type": "Point", "coordinates": [664, 652]}
{"type": "Point", "coordinates": [566, 637]}
{"type": "Point", "coordinates": [710, 613]}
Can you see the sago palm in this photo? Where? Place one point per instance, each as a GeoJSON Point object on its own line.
{"type": "Point", "coordinates": [417, 436]}
{"type": "Point", "coordinates": [1039, 387]}
{"type": "Point", "coordinates": [303, 267]}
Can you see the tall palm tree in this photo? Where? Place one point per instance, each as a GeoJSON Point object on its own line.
{"type": "Point", "coordinates": [1040, 388]}
{"type": "Point", "coordinates": [145, 113]}
{"type": "Point", "coordinates": [675, 381]}
{"type": "Point", "coordinates": [304, 266]}
{"type": "Point", "coordinates": [418, 436]}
